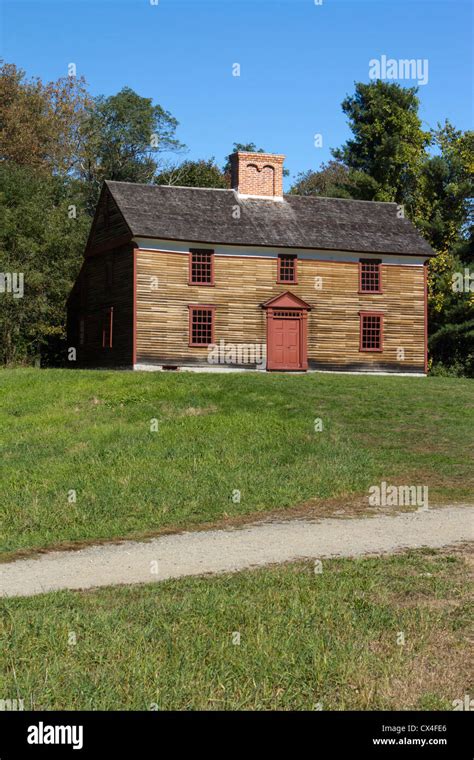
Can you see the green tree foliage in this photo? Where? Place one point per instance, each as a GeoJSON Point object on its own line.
{"type": "Point", "coordinates": [41, 125]}
{"type": "Point", "coordinates": [447, 187]}
{"type": "Point", "coordinates": [388, 143]}
{"type": "Point", "coordinates": [388, 159]}
{"type": "Point", "coordinates": [201, 173]}
{"type": "Point", "coordinates": [125, 133]}
{"type": "Point", "coordinates": [449, 225]}
{"type": "Point", "coordinates": [330, 180]}
{"type": "Point", "coordinates": [57, 144]}
{"type": "Point", "coordinates": [43, 229]}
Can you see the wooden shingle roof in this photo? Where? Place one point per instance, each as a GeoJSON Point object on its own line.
{"type": "Point", "coordinates": [207, 215]}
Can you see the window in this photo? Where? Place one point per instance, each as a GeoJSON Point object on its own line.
{"type": "Point", "coordinates": [286, 268]}
{"type": "Point", "coordinates": [201, 325]}
{"type": "Point", "coordinates": [371, 331]}
{"type": "Point", "coordinates": [201, 266]}
{"type": "Point", "coordinates": [107, 327]}
{"type": "Point", "coordinates": [370, 280]}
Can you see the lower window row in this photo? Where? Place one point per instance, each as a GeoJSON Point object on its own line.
{"type": "Point", "coordinates": [201, 328]}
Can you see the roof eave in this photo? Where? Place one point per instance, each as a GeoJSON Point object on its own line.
{"type": "Point", "coordinates": [289, 247]}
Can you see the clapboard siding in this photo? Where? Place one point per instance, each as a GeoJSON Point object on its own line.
{"type": "Point", "coordinates": [109, 227]}
{"type": "Point", "coordinates": [243, 283]}
{"type": "Point", "coordinates": [94, 293]}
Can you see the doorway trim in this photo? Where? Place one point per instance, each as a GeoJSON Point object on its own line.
{"type": "Point", "coordinates": [287, 305]}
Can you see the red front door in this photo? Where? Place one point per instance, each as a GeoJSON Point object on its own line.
{"type": "Point", "coordinates": [284, 341]}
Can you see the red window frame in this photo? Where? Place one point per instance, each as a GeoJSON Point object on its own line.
{"type": "Point", "coordinates": [363, 326]}
{"type": "Point", "coordinates": [365, 276]}
{"type": "Point", "coordinates": [281, 258]}
{"type": "Point", "coordinates": [193, 308]}
{"type": "Point", "coordinates": [108, 328]}
{"type": "Point", "coordinates": [195, 270]}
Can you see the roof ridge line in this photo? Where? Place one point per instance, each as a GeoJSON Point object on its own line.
{"type": "Point", "coordinates": [232, 190]}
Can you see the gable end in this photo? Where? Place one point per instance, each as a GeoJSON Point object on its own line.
{"type": "Point", "coordinates": [109, 228]}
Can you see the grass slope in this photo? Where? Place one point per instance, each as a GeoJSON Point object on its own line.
{"type": "Point", "coordinates": [89, 431]}
{"type": "Point", "coordinates": [370, 634]}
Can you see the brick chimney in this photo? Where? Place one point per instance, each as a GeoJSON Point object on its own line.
{"type": "Point", "coordinates": [257, 174]}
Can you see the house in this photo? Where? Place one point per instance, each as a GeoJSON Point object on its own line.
{"type": "Point", "coordinates": [180, 277]}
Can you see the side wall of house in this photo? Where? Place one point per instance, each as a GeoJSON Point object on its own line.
{"type": "Point", "coordinates": [243, 282]}
{"type": "Point", "coordinates": [105, 282]}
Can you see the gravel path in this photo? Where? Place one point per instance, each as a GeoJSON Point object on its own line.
{"type": "Point", "coordinates": [218, 551]}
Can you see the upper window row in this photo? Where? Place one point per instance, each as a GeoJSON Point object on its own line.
{"type": "Point", "coordinates": [201, 270]}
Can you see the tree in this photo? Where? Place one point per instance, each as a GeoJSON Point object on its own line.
{"type": "Point", "coordinates": [387, 160]}
{"type": "Point", "coordinates": [125, 133]}
{"type": "Point", "coordinates": [57, 144]}
{"type": "Point", "coordinates": [449, 225]}
{"type": "Point", "coordinates": [201, 173]}
{"type": "Point", "coordinates": [43, 232]}
{"type": "Point", "coordinates": [451, 341]}
{"type": "Point", "coordinates": [388, 143]}
{"type": "Point", "coordinates": [330, 180]}
{"type": "Point", "coordinates": [447, 187]}
{"type": "Point", "coordinates": [41, 125]}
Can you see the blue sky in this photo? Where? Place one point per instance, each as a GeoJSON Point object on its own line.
{"type": "Point", "coordinates": [298, 60]}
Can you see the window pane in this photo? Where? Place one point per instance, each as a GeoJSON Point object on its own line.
{"type": "Point", "coordinates": [201, 326]}
{"type": "Point", "coordinates": [371, 332]}
{"type": "Point", "coordinates": [287, 268]}
{"type": "Point", "coordinates": [201, 267]}
{"type": "Point", "coordinates": [370, 276]}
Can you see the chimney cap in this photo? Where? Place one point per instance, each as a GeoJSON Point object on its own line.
{"type": "Point", "coordinates": [256, 153]}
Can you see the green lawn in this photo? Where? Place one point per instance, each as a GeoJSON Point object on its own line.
{"type": "Point", "coordinates": [370, 634]}
{"type": "Point", "coordinates": [89, 432]}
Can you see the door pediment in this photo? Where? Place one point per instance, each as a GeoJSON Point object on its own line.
{"type": "Point", "coordinates": [286, 300]}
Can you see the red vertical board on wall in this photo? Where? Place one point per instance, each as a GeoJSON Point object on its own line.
{"type": "Point", "coordinates": [134, 326]}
